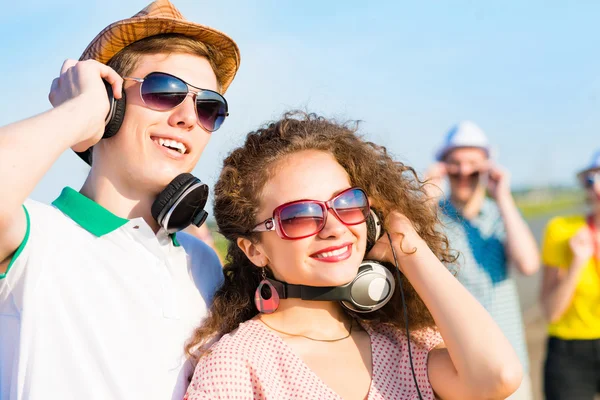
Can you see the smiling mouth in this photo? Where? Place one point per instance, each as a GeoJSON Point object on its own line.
{"type": "Point", "coordinates": [334, 255]}
{"type": "Point", "coordinates": [171, 144]}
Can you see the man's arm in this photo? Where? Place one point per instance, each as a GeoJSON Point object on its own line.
{"type": "Point", "coordinates": [520, 243]}
{"type": "Point", "coordinates": [29, 148]}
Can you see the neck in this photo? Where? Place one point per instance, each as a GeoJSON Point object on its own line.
{"type": "Point", "coordinates": [471, 207]}
{"type": "Point", "coordinates": [121, 199]}
{"type": "Point", "coordinates": [321, 319]}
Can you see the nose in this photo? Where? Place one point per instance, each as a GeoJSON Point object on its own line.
{"type": "Point", "coordinates": [465, 169]}
{"type": "Point", "coordinates": [596, 188]}
{"type": "Point", "coordinates": [333, 227]}
{"type": "Point", "coordinates": [184, 115]}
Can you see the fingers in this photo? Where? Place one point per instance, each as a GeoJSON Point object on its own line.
{"type": "Point", "coordinates": [53, 89]}
{"type": "Point", "coordinates": [584, 233]}
{"type": "Point", "coordinates": [68, 63]}
{"type": "Point", "coordinates": [436, 171]}
{"type": "Point", "coordinates": [79, 77]}
{"type": "Point", "coordinates": [111, 76]}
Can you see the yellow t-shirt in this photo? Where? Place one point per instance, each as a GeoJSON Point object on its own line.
{"type": "Point", "coordinates": [582, 319]}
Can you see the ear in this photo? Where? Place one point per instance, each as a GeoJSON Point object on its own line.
{"type": "Point", "coordinates": [253, 251]}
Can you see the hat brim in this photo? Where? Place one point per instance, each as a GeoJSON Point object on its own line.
{"type": "Point", "coordinates": [585, 171]}
{"type": "Point", "coordinates": [442, 153]}
{"type": "Point", "coordinates": [121, 34]}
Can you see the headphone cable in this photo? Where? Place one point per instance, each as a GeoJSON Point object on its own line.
{"type": "Point", "coordinates": [405, 315]}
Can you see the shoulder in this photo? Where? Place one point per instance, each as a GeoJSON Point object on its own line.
{"type": "Point", "coordinates": [227, 367]}
{"type": "Point", "coordinates": [44, 232]}
{"type": "Point", "coordinates": [446, 209]}
{"type": "Point", "coordinates": [248, 339]}
{"type": "Point", "coordinates": [490, 209]}
{"type": "Point", "coordinates": [197, 248]}
{"type": "Point", "coordinates": [47, 220]}
{"type": "Point", "coordinates": [565, 225]}
{"type": "Point", "coordinates": [201, 254]}
{"type": "Point", "coordinates": [238, 350]}
{"type": "Point", "coordinates": [43, 213]}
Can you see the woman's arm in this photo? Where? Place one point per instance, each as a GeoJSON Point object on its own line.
{"type": "Point", "coordinates": [478, 361]}
{"type": "Point", "coordinates": [558, 285]}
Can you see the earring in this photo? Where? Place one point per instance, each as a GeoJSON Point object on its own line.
{"type": "Point", "coordinates": [266, 298]}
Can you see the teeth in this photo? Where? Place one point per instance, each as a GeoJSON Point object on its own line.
{"type": "Point", "coordinates": [173, 144]}
{"type": "Point", "coordinates": [333, 253]}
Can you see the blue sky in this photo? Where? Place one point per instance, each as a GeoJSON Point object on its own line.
{"type": "Point", "coordinates": [527, 72]}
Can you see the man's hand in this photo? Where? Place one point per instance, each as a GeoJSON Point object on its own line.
{"type": "Point", "coordinates": [81, 82]}
{"type": "Point", "coordinates": [498, 182]}
{"type": "Point", "coordinates": [434, 177]}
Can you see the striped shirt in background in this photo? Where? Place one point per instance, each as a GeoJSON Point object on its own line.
{"type": "Point", "coordinates": [483, 268]}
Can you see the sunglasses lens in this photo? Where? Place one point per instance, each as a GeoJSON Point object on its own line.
{"type": "Point", "coordinates": [212, 110]}
{"type": "Point", "coordinates": [163, 92]}
{"type": "Point", "coordinates": [352, 207]}
{"type": "Point", "coordinates": [590, 179]}
{"type": "Point", "coordinates": [457, 175]}
{"type": "Point", "coordinates": [301, 219]}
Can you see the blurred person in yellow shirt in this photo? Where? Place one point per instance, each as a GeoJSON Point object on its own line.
{"type": "Point", "coordinates": [570, 297]}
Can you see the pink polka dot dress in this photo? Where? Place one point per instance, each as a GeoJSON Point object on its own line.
{"type": "Point", "coordinates": [255, 363]}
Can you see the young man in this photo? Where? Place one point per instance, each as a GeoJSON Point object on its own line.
{"type": "Point", "coordinates": [97, 298]}
{"type": "Point", "coordinates": [488, 233]}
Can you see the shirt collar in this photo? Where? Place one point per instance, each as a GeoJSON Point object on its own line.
{"type": "Point", "coordinates": [448, 208]}
{"type": "Point", "coordinates": [90, 215]}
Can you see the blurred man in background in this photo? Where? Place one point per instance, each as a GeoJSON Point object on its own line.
{"type": "Point", "coordinates": [488, 232]}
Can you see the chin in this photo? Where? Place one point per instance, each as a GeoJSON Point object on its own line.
{"type": "Point", "coordinates": [464, 195]}
{"type": "Point", "coordinates": [154, 181]}
{"type": "Point", "coordinates": [336, 278]}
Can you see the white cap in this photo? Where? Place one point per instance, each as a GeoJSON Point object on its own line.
{"type": "Point", "coordinates": [463, 134]}
{"type": "Point", "coordinates": [594, 163]}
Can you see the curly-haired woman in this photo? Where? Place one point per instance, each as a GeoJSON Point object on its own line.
{"type": "Point", "coordinates": [293, 201]}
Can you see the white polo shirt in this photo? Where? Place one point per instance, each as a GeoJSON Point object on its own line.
{"type": "Point", "coordinates": [94, 306]}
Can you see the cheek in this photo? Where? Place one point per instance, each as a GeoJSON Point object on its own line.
{"type": "Point", "coordinates": [139, 118]}
{"type": "Point", "coordinates": [360, 232]}
{"type": "Point", "coordinates": [287, 257]}
{"type": "Point", "coordinates": [200, 142]}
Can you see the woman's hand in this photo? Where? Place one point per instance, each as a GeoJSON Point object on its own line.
{"type": "Point", "coordinates": [582, 245]}
{"type": "Point", "coordinates": [405, 239]}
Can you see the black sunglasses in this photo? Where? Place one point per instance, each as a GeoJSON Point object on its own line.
{"type": "Point", "coordinates": [590, 179]}
{"type": "Point", "coordinates": [162, 92]}
{"type": "Point", "coordinates": [472, 175]}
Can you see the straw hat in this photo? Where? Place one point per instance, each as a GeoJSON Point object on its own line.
{"type": "Point", "coordinates": [158, 18]}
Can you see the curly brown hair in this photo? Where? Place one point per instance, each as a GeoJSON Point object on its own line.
{"type": "Point", "coordinates": [391, 185]}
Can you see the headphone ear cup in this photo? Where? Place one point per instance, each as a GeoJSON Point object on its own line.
{"type": "Point", "coordinates": [170, 194]}
{"type": "Point", "coordinates": [372, 288]}
{"type": "Point", "coordinates": [113, 122]}
{"type": "Point", "coordinates": [116, 113]}
{"type": "Point", "coordinates": [374, 229]}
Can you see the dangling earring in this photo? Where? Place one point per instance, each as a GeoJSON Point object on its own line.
{"type": "Point", "coordinates": [266, 302]}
